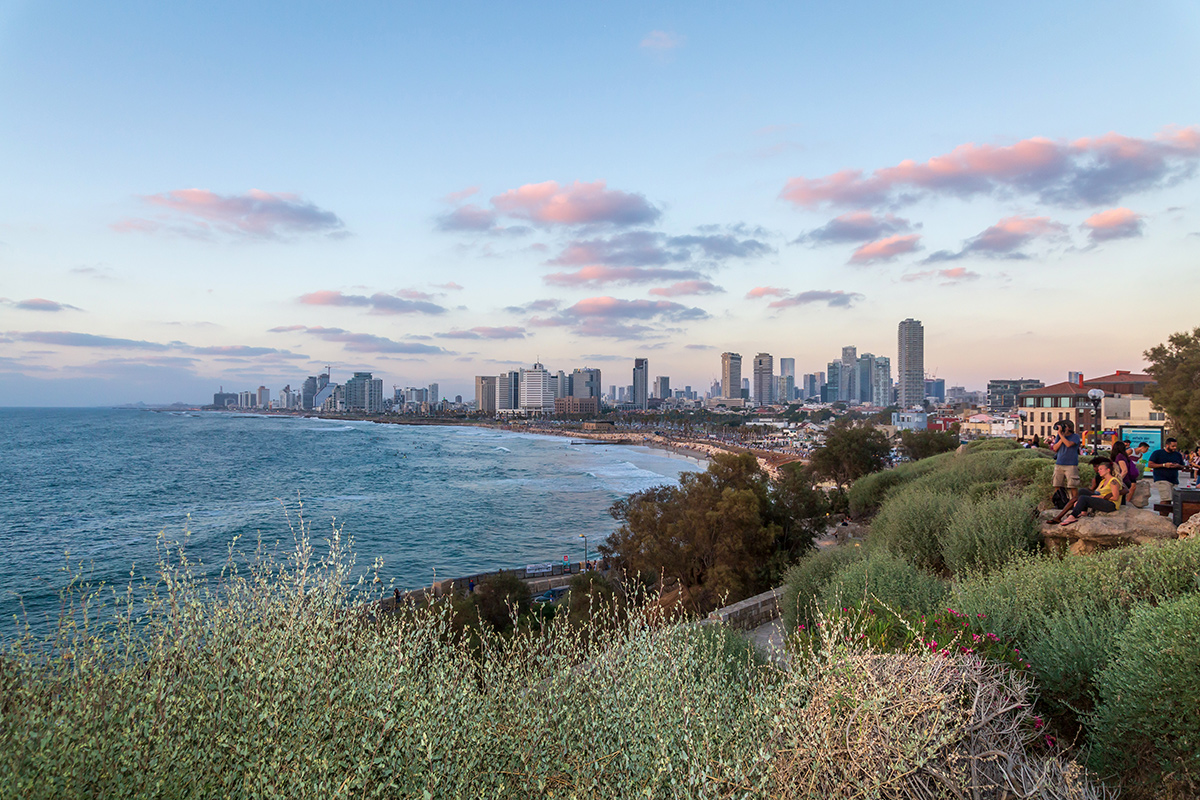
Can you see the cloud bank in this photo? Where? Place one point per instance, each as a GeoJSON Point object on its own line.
{"type": "Point", "coordinates": [1087, 171]}
{"type": "Point", "coordinates": [253, 215]}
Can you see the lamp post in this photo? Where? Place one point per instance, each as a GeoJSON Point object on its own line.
{"type": "Point", "coordinates": [585, 551]}
{"type": "Point", "coordinates": [1096, 396]}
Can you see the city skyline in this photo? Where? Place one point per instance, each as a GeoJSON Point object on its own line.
{"type": "Point", "coordinates": [235, 196]}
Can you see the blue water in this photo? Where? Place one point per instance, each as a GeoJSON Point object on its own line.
{"type": "Point", "coordinates": [101, 484]}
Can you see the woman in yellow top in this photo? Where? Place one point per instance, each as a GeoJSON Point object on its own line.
{"type": "Point", "coordinates": [1105, 497]}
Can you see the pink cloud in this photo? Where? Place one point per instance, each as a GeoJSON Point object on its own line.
{"type": "Point", "coordinates": [832, 298]}
{"type": "Point", "coordinates": [947, 276]}
{"type": "Point", "coordinates": [413, 294]}
{"type": "Point", "coordinates": [460, 195]}
{"type": "Point", "coordinates": [1011, 232]}
{"type": "Point", "coordinates": [378, 303]}
{"type": "Point", "coordinates": [765, 291]}
{"type": "Point", "coordinates": [580, 203]}
{"type": "Point", "coordinates": [597, 275]}
{"type": "Point", "coordinates": [681, 288]}
{"type": "Point", "coordinates": [1084, 171]}
{"type": "Point", "coordinates": [451, 286]}
{"type": "Point", "coordinates": [885, 249]}
{"type": "Point", "coordinates": [1004, 239]}
{"type": "Point", "coordinates": [1115, 223]}
{"type": "Point", "coordinates": [255, 214]}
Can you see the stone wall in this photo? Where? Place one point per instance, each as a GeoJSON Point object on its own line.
{"type": "Point", "coordinates": [751, 612]}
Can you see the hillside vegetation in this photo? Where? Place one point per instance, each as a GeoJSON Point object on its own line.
{"type": "Point", "coordinates": [953, 564]}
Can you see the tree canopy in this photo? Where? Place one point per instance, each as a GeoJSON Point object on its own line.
{"type": "Point", "coordinates": [923, 444]}
{"type": "Point", "coordinates": [1176, 367]}
{"type": "Point", "coordinates": [724, 534]}
{"type": "Point", "coordinates": [851, 450]}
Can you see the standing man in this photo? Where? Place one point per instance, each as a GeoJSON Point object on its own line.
{"type": "Point", "coordinates": [1066, 461]}
{"type": "Point", "coordinates": [1166, 464]}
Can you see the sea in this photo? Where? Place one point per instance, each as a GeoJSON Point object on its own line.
{"type": "Point", "coordinates": [95, 488]}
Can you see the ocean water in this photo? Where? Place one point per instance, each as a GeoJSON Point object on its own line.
{"type": "Point", "coordinates": [101, 484]}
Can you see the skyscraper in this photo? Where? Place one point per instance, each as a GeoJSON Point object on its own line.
{"type": "Point", "coordinates": [787, 371]}
{"type": "Point", "coordinates": [731, 375]}
{"type": "Point", "coordinates": [662, 387]}
{"type": "Point", "coordinates": [764, 379]}
{"type": "Point", "coordinates": [508, 391]}
{"type": "Point", "coordinates": [910, 363]}
{"type": "Point", "coordinates": [881, 384]}
{"type": "Point", "coordinates": [848, 378]}
{"type": "Point", "coordinates": [364, 393]}
{"type": "Point", "coordinates": [586, 383]}
{"type": "Point", "coordinates": [485, 394]}
{"type": "Point", "coordinates": [832, 388]}
{"type": "Point", "coordinates": [537, 390]}
{"type": "Point", "coordinates": [641, 383]}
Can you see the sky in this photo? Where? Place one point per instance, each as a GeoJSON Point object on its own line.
{"type": "Point", "coordinates": [198, 196]}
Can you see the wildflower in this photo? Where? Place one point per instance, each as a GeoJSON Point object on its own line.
{"type": "Point", "coordinates": [1038, 723]}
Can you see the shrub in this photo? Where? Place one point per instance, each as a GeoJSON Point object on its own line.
{"type": "Point", "coordinates": [911, 524]}
{"type": "Point", "coordinates": [275, 683]}
{"type": "Point", "coordinates": [1020, 596]}
{"type": "Point", "coordinates": [992, 445]}
{"type": "Point", "coordinates": [1147, 710]}
{"type": "Point", "coordinates": [868, 493]}
{"type": "Point", "coordinates": [906, 725]}
{"type": "Point", "coordinates": [887, 577]}
{"type": "Point", "coordinates": [987, 534]}
{"type": "Point", "coordinates": [1070, 650]}
{"type": "Point", "coordinates": [805, 581]}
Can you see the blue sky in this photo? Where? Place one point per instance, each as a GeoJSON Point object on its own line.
{"type": "Point", "coordinates": [202, 196]}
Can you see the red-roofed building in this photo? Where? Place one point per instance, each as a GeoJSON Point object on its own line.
{"type": "Point", "coordinates": [1124, 404]}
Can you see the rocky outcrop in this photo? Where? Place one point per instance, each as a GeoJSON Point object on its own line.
{"type": "Point", "coordinates": [1104, 531]}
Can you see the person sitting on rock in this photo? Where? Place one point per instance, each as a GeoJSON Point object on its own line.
{"type": "Point", "coordinates": [1106, 497]}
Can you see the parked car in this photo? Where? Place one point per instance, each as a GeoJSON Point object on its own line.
{"type": "Point", "coordinates": [551, 595]}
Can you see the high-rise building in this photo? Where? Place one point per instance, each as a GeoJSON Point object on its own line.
{"type": "Point", "coordinates": [485, 394]}
{"type": "Point", "coordinates": [881, 382]}
{"type": "Point", "coordinates": [935, 389]}
{"type": "Point", "coordinates": [787, 371]}
{"type": "Point", "coordinates": [811, 388]}
{"type": "Point", "coordinates": [307, 391]}
{"type": "Point", "coordinates": [764, 379]}
{"type": "Point", "coordinates": [832, 388]}
{"type": "Point", "coordinates": [433, 394]}
{"type": "Point", "coordinates": [910, 363]}
{"type": "Point", "coordinates": [641, 383]}
{"type": "Point", "coordinates": [864, 377]}
{"type": "Point", "coordinates": [662, 387]}
{"type": "Point", "coordinates": [508, 391]}
{"type": "Point", "coordinates": [263, 400]}
{"type": "Point", "coordinates": [1002, 393]}
{"type": "Point", "coordinates": [562, 385]}
{"type": "Point", "coordinates": [364, 393]}
{"type": "Point", "coordinates": [585, 383]}
{"type": "Point", "coordinates": [848, 376]}
{"type": "Point", "coordinates": [537, 390]}
{"type": "Point", "coordinates": [731, 375]}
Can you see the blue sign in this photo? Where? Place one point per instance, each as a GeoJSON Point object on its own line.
{"type": "Point", "coordinates": [1135, 436]}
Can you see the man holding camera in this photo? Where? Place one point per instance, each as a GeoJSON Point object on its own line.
{"type": "Point", "coordinates": [1066, 446]}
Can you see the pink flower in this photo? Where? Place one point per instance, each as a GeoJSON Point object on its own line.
{"type": "Point", "coordinates": [1037, 723]}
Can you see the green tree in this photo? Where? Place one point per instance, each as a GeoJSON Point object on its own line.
{"type": "Point", "coordinates": [850, 451]}
{"type": "Point", "coordinates": [498, 596]}
{"type": "Point", "coordinates": [715, 533]}
{"type": "Point", "coordinates": [801, 510]}
{"type": "Point", "coordinates": [1176, 367]}
{"type": "Point", "coordinates": [923, 444]}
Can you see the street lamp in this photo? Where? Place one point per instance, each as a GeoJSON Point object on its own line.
{"type": "Point", "coordinates": [1096, 396]}
{"type": "Point", "coordinates": [585, 551]}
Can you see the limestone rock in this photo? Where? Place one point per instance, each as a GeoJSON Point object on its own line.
{"type": "Point", "coordinates": [1190, 528]}
{"type": "Point", "coordinates": [1102, 531]}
